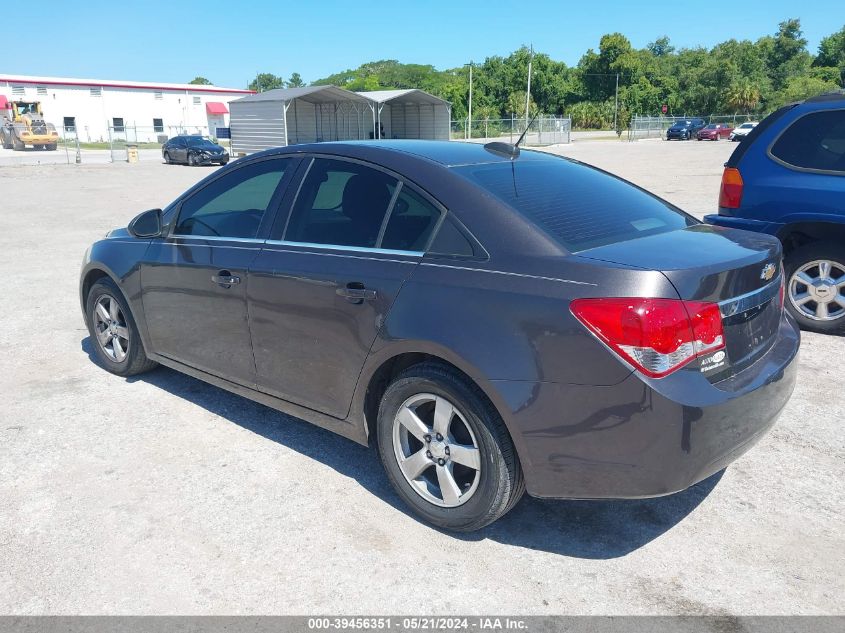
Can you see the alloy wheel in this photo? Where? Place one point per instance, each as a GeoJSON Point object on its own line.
{"type": "Point", "coordinates": [111, 328]}
{"type": "Point", "coordinates": [817, 290]}
{"type": "Point", "coordinates": [436, 450]}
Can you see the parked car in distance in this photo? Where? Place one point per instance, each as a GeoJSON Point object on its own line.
{"type": "Point", "coordinates": [740, 132]}
{"type": "Point", "coordinates": [493, 320]}
{"type": "Point", "coordinates": [787, 179]}
{"type": "Point", "coordinates": [193, 150]}
{"type": "Point", "coordinates": [714, 132]}
{"type": "Point", "coordinates": [684, 130]}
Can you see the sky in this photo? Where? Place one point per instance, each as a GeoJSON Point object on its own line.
{"type": "Point", "coordinates": [230, 41]}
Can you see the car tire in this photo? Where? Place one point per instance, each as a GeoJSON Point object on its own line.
{"type": "Point", "coordinates": [816, 261]}
{"type": "Point", "coordinates": [118, 348]}
{"type": "Point", "coordinates": [192, 160]}
{"type": "Point", "coordinates": [51, 147]}
{"type": "Point", "coordinates": [167, 160]}
{"type": "Point", "coordinates": [447, 492]}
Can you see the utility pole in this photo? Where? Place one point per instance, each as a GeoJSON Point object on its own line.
{"type": "Point", "coordinates": [616, 102]}
{"type": "Point", "coordinates": [528, 89]}
{"type": "Point", "coordinates": [469, 119]}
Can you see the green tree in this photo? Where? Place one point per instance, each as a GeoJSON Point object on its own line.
{"type": "Point", "coordinates": [295, 81]}
{"type": "Point", "coordinates": [660, 47]}
{"type": "Point", "coordinates": [786, 53]}
{"type": "Point", "coordinates": [832, 53]}
{"type": "Point", "coordinates": [200, 81]}
{"type": "Point", "coordinates": [266, 81]}
{"type": "Point", "coordinates": [742, 96]}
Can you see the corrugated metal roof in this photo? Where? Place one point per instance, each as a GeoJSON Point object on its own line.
{"type": "Point", "coordinates": [73, 81]}
{"type": "Point", "coordinates": [312, 94]}
{"type": "Point", "coordinates": [409, 95]}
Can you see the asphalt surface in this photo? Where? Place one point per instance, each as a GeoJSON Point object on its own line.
{"type": "Point", "coordinates": [163, 495]}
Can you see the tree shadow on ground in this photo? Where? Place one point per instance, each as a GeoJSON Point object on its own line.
{"type": "Point", "coordinates": [581, 529]}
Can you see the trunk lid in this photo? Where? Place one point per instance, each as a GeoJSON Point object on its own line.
{"type": "Point", "coordinates": [739, 270]}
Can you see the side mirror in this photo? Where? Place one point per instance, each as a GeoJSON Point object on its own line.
{"type": "Point", "coordinates": [146, 224]}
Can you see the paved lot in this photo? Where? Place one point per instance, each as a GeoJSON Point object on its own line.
{"type": "Point", "coordinates": [63, 156]}
{"type": "Point", "coordinates": [163, 495]}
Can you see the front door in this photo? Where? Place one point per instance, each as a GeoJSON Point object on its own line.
{"type": "Point", "coordinates": [194, 281]}
{"type": "Point", "coordinates": [318, 297]}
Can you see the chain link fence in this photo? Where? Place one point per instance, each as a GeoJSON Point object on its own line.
{"type": "Point", "coordinates": [544, 130]}
{"type": "Point", "coordinates": [655, 126]}
{"type": "Point", "coordinates": [78, 143]}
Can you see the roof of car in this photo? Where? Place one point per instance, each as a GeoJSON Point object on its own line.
{"type": "Point", "coordinates": [836, 95]}
{"type": "Point", "coordinates": [447, 153]}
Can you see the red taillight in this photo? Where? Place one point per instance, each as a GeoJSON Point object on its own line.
{"type": "Point", "coordinates": [656, 336]}
{"type": "Point", "coordinates": [730, 194]}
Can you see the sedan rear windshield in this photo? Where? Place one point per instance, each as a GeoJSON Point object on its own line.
{"type": "Point", "coordinates": [578, 206]}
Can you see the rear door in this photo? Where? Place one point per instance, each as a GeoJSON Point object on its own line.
{"type": "Point", "coordinates": [194, 281]}
{"type": "Point", "coordinates": [323, 285]}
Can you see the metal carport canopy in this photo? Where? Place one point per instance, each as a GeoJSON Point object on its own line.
{"type": "Point", "coordinates": [317, 96]}
{"type": "Point", "coordinates": [404, 97]}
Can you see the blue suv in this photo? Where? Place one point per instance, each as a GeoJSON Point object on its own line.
{"type": "Point", "coordinates": [787, 178]}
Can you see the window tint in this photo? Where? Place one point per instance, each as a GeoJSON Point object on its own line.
{"type": "Point", "coordinates": [233, 205]}
{"type": "Point", "coordinates": [578, 206]}
{"type": "Point", "coordinates": [411, 222]}
{"type": "Point", "coordinates": [451, 241]}
{"type": "Point", "coordinates": [815, 141]}
{"type": "Point", "coordinates": [341, 203]}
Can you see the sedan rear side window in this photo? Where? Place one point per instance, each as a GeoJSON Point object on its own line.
{"type": "Point", "coordinates": [341, 203]}
{"type": "Point", "coordinates": [234, 204]}
{"type": "Point", "coordinates": [815, 141]}
{"type": "Point", "coordinates": [578, 206]}
{"type": "Point", "coordinates": [412, 220]}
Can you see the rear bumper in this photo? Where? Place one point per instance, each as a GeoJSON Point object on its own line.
{"type": "Point", "coordinates": [642, 437]}
{"type": "Point", "coordinates": [757, 226]}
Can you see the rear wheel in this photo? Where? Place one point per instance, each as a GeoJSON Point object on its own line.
{"type": "Point", "coordinates": [167, 158]}
{"type": "Point", "coordinates": [51, 147]}
{"type": "Point", "coordinates": [114, 334]}
{"type": "Point", "coordinates": [815, 290]}
{"type": "Point", "coordinates": [17, 145]}
{"type": "Point", "coordinates": [445, 449]}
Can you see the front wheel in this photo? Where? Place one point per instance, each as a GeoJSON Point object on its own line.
{"type": "Point", "coordinates": [446, 450]}
{"type": "Point", "coordinates": [815, 286]}
{"type": "Point", "coordinates": [114, 334]}
{"type": "Point", "coordinates": [192, 160]}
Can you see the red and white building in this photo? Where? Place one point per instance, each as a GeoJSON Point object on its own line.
{"type": "Point", "coordinates": [94, 108]}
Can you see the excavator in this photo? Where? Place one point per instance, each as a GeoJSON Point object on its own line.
{"type": "Point", "coordinates": [24, 124]}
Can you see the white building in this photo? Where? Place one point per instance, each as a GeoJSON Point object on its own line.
{"type": "Point", "coordinates": [135, 110]}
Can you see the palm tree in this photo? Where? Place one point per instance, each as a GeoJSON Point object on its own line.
{"type": "Point", "coordinates": [742, 95]}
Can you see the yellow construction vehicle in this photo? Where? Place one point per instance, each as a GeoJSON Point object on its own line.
{"type": "Point", "coordinates": [24, 124]}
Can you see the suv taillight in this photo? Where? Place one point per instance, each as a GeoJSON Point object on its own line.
{"type": "Point", "coordinates": [656, 336]}
{"type": "Point", "coordinates": [730, 193]}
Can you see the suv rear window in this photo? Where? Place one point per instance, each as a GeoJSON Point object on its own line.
{"type": "Point", "coordinates": [578, 206]}
{"type": "Point", "coordinates": [815, 141]}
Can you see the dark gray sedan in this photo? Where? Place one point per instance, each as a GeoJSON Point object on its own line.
{"type": "Point", "coordinates": [494, 321]}
{"type": "Point", "coordinates": [193, 150]}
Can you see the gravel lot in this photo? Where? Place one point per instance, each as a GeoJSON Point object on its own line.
{"type": "Point", "coordinates": [163, 495]}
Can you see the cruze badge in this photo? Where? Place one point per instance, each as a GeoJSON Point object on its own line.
{"type": "Point", "coordinates": [768, 272]}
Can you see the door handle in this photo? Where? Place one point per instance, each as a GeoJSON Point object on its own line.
{"type": "Point", "coordinates": [225, 278]}
{"type": "Point", "coordinates": [356, 293]}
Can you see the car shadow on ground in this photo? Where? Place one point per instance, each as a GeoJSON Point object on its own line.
{"type": "Point", "coordinates": [581, 529]}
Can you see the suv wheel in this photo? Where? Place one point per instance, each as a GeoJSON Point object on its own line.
{"type": "Point", "coordinates": [114, 334]}
{"type": "Point", "coordinates": [815, 289]}
{"type": "Point", "coordinates": [446, 450]}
